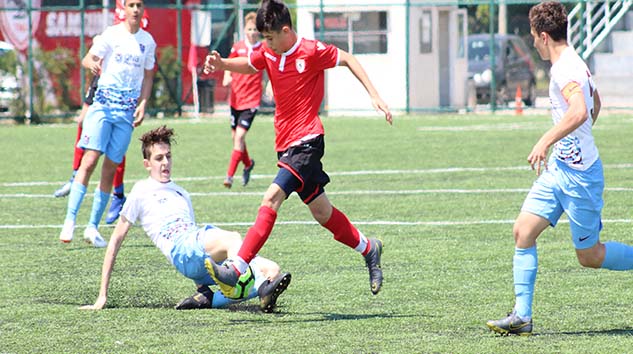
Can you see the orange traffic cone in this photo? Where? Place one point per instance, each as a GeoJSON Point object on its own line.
{"type": "Point", "coordinates": [518, 102]}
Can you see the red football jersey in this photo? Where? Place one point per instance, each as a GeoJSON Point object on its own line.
{"type": "Point", "coordinates": [246, 90]}
{"type": "Point", "coordinates": [298, 79]}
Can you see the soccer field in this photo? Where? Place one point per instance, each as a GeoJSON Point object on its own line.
{"type": "Point", "coordinates": [441, 191]}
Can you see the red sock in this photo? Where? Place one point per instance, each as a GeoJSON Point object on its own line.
{"type": "Point", "coordinates": [118, 175]}
{"type": "Point", "coordinates": [246, 160]}
{"type": "Point", "coordinates": [236, 157]}
{"type": "Point", "coordinates": [79, 152]}
{"type": "Point", "coordinates": [343, 230]}
{"type": "Point", "coordinates": [258, 233]}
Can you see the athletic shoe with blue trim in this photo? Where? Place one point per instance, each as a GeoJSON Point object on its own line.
{"type": "Point", "coordinates": [63, 190]}
{"type": "Point", "coordinates": [115, 208]}
{"type": "Point", "coordinates": [93, 237]}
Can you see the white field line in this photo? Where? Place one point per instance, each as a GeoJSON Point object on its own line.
{"type": "Point", "coordinates": [340, 173]}
{"type": "Point", "coordinates": [356, 192]}
{"type": "Point", "coordinates": [373, 223]}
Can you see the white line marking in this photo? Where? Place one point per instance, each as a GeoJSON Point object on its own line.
{"type": "Point", "coordinates": [373, 223]}
{"type": "Point", "coordinates": [339, 173]}
{"type": "Point", "coordinates": [356, 192]}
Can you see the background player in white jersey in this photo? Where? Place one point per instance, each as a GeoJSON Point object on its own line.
{"type": "Point", "coordinates": [571, 181]}
{"type": "Point", "coordinates": [124, 58]}
{"type": "Point", "coordinates": [164, 211]}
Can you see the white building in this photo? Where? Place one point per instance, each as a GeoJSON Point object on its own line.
{"type": "Point", "coordinates": [413, 54]}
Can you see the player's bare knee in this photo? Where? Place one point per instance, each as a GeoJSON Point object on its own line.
{"type": "Point", "coordinates": [589, 261]}
{"type": "Point", "coordinates": [320, 215]}
{"type": "Point", "coordinates": [590, 258]}
{"type": "Point", "coordinates": [520, 234]}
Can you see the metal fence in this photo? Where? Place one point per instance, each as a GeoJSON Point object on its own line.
{"type": "Point", "coordinates": [422, 56]}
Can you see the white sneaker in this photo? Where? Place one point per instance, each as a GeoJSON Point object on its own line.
{"type": "Point", "coordinates": [63, 190]}
{"type": "Point", "coordinates": [67, 231]}
{"type": "Point", "coordinates": [92, 236]}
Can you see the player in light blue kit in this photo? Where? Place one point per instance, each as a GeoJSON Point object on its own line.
{"type": "Point", "coordinates": [164, 210]}
{"type": "Point", "coordinates": [124, 58]}
{"type": "Point", "coordinates": [571, 181]}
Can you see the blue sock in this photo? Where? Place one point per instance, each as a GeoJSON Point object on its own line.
{"type": "Point", "coordinates": [98, 207]}
{"type": "Point", "coordinates": [525, 265]}
{"type": "Point", "coordinates": [617, 256]}
{"type": "Point", "coordinates": [220, 301]}
{"type": "Point", "coordinates": [76, 196]}
{"type": "Point", "coordinates": [72, 178]}
{"type": "Point", "coordinates": [119, 190]}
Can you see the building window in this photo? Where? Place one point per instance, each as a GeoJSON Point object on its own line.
{"type": "Point", "coordinates": [354, 32]}
{"type": "Point", "coordinates": [426, 35]}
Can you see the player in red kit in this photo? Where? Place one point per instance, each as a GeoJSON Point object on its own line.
{"type": "Point", "coordinates": [246, 95]}
{"type": "Point", "coordinates": [296, 67]}
{"type": "Point", "coordinates": [118, 196]}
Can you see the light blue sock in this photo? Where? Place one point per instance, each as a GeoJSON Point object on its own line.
{"type": "Point", "coordinates": [617, 256]}
{"type": "Point", "coordinates": [219, 300]}
{"type": "Point", "coordinates": [98, 207]}
{"type": "Point", "coordinates": [525, 265]}
{"type": "Point", "coordinates": [119, 189]}
{"type": "Point", "coordinates": [76, 196]}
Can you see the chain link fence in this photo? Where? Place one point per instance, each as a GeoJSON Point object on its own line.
{"type": "Point", "coordinates": [423, 56]}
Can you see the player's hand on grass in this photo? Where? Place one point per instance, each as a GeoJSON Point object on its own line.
{"type": "Point", "coordinates": [98, 305]}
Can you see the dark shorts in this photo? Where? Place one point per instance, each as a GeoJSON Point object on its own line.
{"type": "Point", "coordinates": [243, 118]}
{"type": "Point", "coordinates": [301, 170]}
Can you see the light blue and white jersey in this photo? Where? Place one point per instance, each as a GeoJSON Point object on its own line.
{"type": "Point", "coordinates": [125, 56]}
{"type": "Point", "coordinates": [164, 211]}
{"type": "Point", "coordinates": [578, 149]}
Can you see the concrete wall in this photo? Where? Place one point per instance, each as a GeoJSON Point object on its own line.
{"type": "Point", "coordinates": [430, 77]}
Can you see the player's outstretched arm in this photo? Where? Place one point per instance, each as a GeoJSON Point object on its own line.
{"type": "Point", "coordinates": [215, 62]}
{"type": "Point", "coordinates": [118, 235]}
{"type": "Point", "coordinates": [347, 59]}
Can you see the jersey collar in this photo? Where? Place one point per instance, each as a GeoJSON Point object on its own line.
{"type": "Point", "coordinates": [289, 52]}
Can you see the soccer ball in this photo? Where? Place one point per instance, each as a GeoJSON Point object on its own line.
{"type": "Point", "coordinates": [244, 285]}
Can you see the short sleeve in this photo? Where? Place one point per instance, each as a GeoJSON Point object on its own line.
{"type": "Point", "coordinates": [100, 43]}
{"type": "Point", "coordinates": [567, 83]}
{"type": "Point", "coordinates": [257, 60]}
{"type": "Point", "coordinates": [150, 58]}
{"type": "Point", "coordinates": [131, 208]}
{"type": "Point", "coordinates": [325, 56]}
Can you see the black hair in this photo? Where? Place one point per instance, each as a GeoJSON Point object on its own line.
{"type": "Point", "coordinates": [272, 16]}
